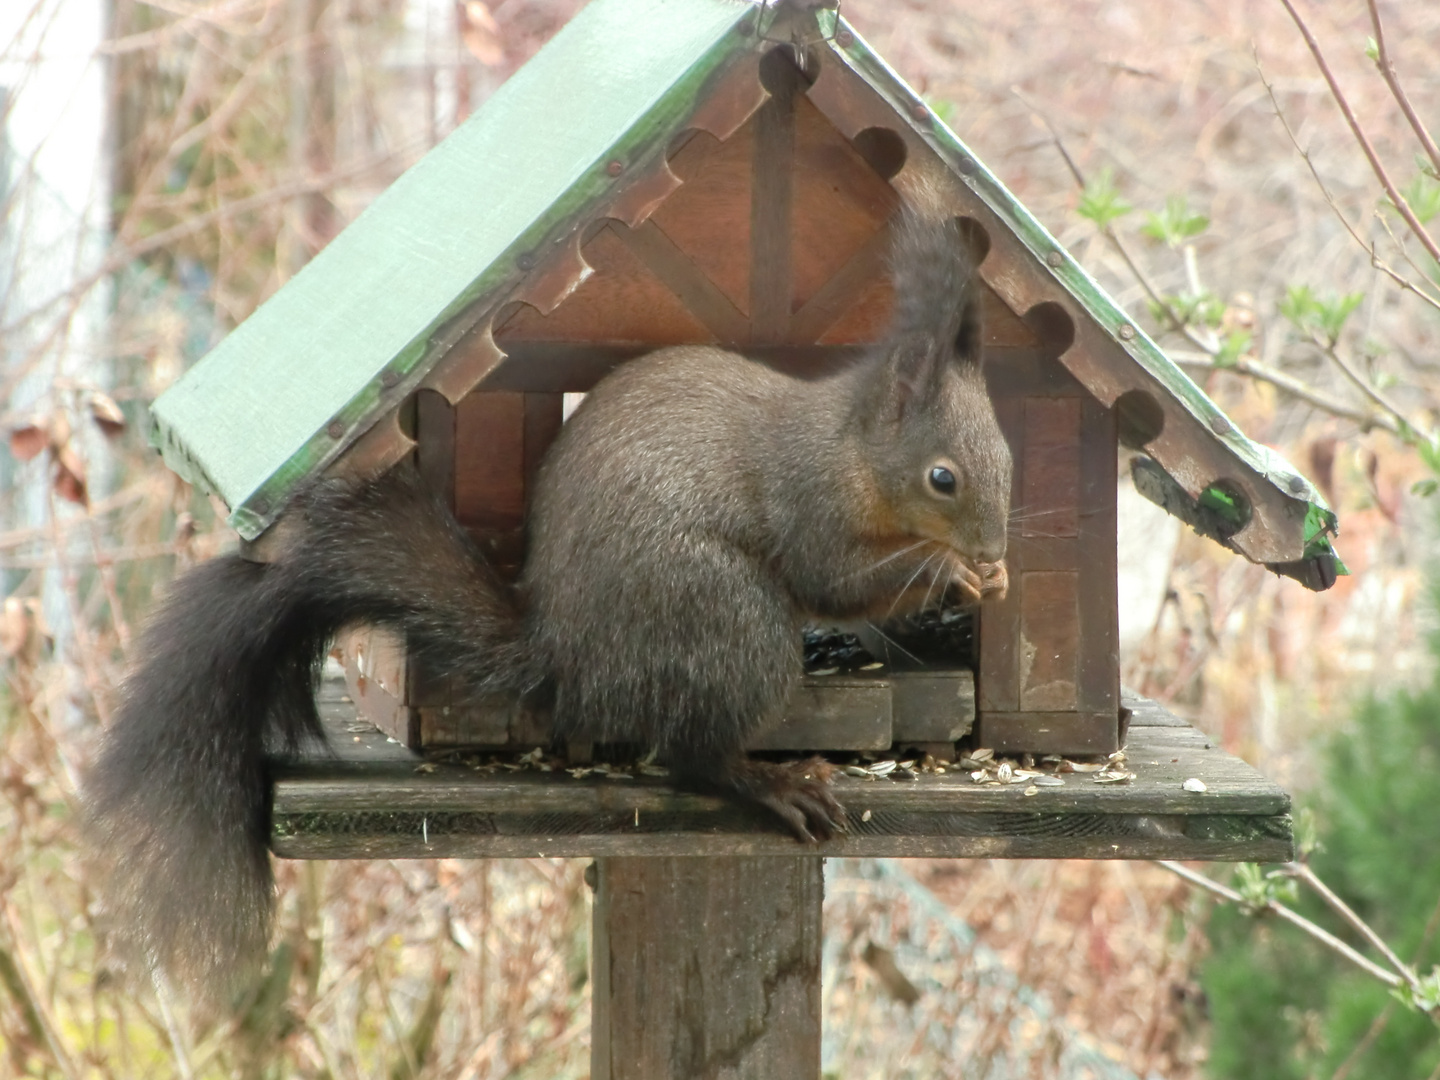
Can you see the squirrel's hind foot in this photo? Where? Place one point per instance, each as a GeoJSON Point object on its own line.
{"type": "Point", "coordinates": [797, 791]}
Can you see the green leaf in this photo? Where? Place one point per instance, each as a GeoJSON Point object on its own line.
{"type": "Point", "coordinates": [1317, 317]}
{"type": "Point", "coordinates": [1424, 488]}
{"type": "Point", "coordinates": [1423, 196]}
{"type": "Point", "coordinates": [1203, 309]}
{"type": "Point", "coordinates": [1429, 453]}
{"type": "Point", "coordinates": [1175, 224]}
{"type": "Point", "coordinates": [1372, 49]}
{"type": "Point", "coordinates": [1335, 311]}
{"type": "Point", "coordinates": [1100, 202]}
{"type": "Point", "coordinates": [1425, 997]}
{"type": "Point", "coordinates": [1232, 348]}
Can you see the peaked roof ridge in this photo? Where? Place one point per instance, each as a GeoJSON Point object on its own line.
{"type": "Point", "coordinates": [379, 312]}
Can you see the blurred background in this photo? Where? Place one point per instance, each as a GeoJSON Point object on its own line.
{"type": "Point", "coordinates": [165, 166]}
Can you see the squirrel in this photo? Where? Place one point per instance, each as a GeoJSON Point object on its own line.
{"type": "Point", "coordinates": [694, 511]}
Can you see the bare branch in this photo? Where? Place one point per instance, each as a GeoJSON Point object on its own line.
{"type": "Point", "coordinates": [1387, 70]}
{"type": "Point", "coordinates": [1319, 933]}
{"type": "Point", "coordinates": [1281, 380]}
{"type": "Point", "coordinates": [1379, 264]}
{"type": "Point", "coordinates": [1375, 165]}
{"type": "Point", "coordinates": [1367, 388]}
{"type": "Point", "coordinates": [1359, 925]}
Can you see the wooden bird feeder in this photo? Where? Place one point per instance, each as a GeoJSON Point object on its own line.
{"type": "Point", "coordinates": [669, 171]}
{"type": "Point", "coordinates": [732, 181]}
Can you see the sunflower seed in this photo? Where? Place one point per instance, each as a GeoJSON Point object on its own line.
{"type": "Point", "coordinates": [1048, 781]}
{"type": "Point", "coordinates": [883, 768]}
{"type": "Point", "coordinates": [1005, 773]}
{"type": "Point", "coordinates": [1032, 790]}
{"type": "Point", "coordinates": [1194, 784]}
{"type": "Point", "coordinates": [865, 816]}
{"type": "Point", "coordinates": [983, 754]}
{"type": "Point", "coordinates": [856, 770]}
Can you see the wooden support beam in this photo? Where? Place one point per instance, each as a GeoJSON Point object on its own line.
{"type": "Point", "coordinates": [706, 968]}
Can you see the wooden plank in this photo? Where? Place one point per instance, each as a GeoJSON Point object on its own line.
{"type": "Point", "coordinates": [730, 988]}
{"type": "Point", "coordinates": [1049, 643]}
{"type": "Point", "coordinates": [833, 713]}
{"type": "Point", "coordinates": [1098, 662]}
{"type": "Point", "coordinates": [1055, 732]}
{"type": "Point", "coordinates": [1050, 470]}
{"type": "Point", "coordinates": [839, 203]}
{"type": "Point", "coordinates": [367, 797]}
{"type": "Point", "coordinates": [621, 301]}
{"type": "Point", "coordinates": [435, 443]}
{"type": "Point", "coordinates": [701, 296]}
{"type": "Point", "coordinates": [544, 416]}
{"type": "Point", "coordinates": [932, 706]}
{"type": "Point", "coordinates": [377, 681]}
{"type": "Point", "coordinates": [708, 218]}
{"type": "Point", "coordinates": [490, 455]}
{"type": "Point", "coordinates": [998, 688]}
{"type": "Point", "coordinates": [772, 176]}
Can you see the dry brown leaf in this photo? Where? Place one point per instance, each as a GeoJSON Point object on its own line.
{"type": "Point", "coordinates": [106, 413]}
{"type": "Point", "coordinates": [28, 441]}
{"type": "Point", "coordinates": [70, 477]}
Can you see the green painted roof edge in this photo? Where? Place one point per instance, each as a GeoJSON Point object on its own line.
{"type": "Point", "coordinates": [638, 145]}
{"type": "Point", "coordinates": [1320, 520]}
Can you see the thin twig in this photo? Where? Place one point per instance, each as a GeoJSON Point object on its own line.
{"type": "Point", "coordinates": [1176, 323]}
{"type": "Point", "coordinates": [1375, 261]}
{"type": "Point", "coordinates": [1293, 917]}
{"type": "Point", "coordinates": [1387, 71]}
{"type": "Point", "coordinates": [1254, 369]}
{"type": "Point", "coordinates": [1373, 1032]}
{"type": "Point", "coordinates": [1375, 165]}
{"type": "Point", "coordinates": [1364, 386]}
{"type": "Point", "coordinates": [1359, 925]}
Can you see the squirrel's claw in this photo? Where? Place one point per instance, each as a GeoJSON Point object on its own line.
{"type": "Point", "coordinates": [798, 792]}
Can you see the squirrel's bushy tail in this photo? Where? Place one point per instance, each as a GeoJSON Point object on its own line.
{"type": "Point", "coordinates": [178, 798]}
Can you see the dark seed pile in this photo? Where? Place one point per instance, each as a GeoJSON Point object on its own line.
{"type": "Point", "coordinates": [829, 651]}
{"type": "Point", "coordinates": [942, 636]}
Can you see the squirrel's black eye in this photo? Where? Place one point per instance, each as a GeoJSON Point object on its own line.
{"type": "Point", "coordinates": [942, 480]}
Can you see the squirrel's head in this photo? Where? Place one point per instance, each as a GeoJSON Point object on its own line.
{"type": "Point", "coordinates": [941, 465]}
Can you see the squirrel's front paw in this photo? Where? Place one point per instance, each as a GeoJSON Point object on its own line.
{"type": "Point", "coordinates": [981, 581]}
{"type": "Point", "coordinates": [798, 791]}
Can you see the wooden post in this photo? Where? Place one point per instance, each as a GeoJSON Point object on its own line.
{"type": "Point", "coordinates": [706, 968]}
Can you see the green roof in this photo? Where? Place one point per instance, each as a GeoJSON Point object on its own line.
{"type": "Point", "coordinates": [363, 325]}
